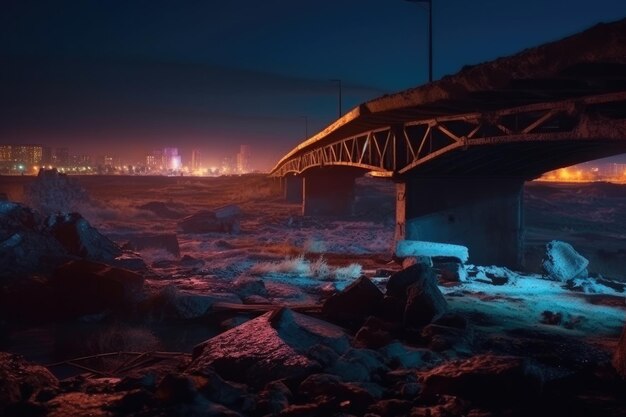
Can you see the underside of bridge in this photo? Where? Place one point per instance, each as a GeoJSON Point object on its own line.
{"type": "Point", "coordinates": [461, 148]}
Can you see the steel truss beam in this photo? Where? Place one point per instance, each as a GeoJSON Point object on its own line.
{"type": "Point", "coordinates": [397, 149]}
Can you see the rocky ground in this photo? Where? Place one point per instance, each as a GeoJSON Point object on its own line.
{"type": "Point", "coordinates": [213, 297]}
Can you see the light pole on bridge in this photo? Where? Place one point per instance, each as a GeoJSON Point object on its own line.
{"type": "Point", "coordinates": [338, 81]}
{"type": "Point", "coordinates": [306, 127]}
{"type": "Point", "coordinates": [430, 35]}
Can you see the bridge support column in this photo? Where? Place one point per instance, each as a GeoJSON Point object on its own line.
{"type": "Point", "coordinates": [328, 193]}
{"type": "Point", "coordinates": [484, 214]}
{"type": "Point", "coordinates": [292, 188]}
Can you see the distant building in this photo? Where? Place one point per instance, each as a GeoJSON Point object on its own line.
{"type": "Point", "coordinates": [20, 158]}
{"type": "Point", "coordinates": [195, 160]}
{"type": "Point", "coordinates": [81, 160]}
{"type": "Point", "coordinates": [154, 160]}
{"type": "Point", "coordinates": [243, 159]}
{"type": "Point", "coordinates": [61, 157]}
{"type": "Point", "coordinates": [227, 166]}
{"type": "Point", "coordinates": [22, 154]}
{"type": "Point", "coordinates": [5, 153]}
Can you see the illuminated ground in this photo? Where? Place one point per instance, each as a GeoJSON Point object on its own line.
{"type": "Point", "coordinates": [304, 260]}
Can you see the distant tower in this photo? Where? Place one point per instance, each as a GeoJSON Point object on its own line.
{"type": "Point", "coordinates": [195, 160]}
{"type": "Point", "coordinates": [243, 159]}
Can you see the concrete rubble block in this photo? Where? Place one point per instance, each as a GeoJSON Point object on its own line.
{"type": "Point", "coordinates": [268, 348]}
{"type": "Point", "coordinates": [354, 304]}
{"type": "Point", "coordinates": [223, 219]}
{"type": "Point", "coordinates": [84, 287]}
{"type": "Point", "coordinates": [79, 238]}
{"type": "Point", "coordinates": [416, 248]}
{"type": "Point", "coordinates": [165, 241]}
{"type": "Point", "coordinates": [400, 281]}
{"type": "Point", "coordinates": [424, 303]}
{"type": "Point", "coordinates": [486, 380]}
{"type": "Point", "coordinates": [563, 263]}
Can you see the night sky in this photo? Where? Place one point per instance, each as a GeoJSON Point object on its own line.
{"type": "Point", "coordinates": [123, 77]}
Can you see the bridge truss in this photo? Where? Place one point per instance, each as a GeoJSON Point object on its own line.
{"type": "Point", "coordinates": [394, 150]}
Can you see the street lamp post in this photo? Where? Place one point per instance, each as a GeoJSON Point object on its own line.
{"type": "Point", "coordinates": [338, 81]}
{"type": "Point", "coordinates": [306, 127]}
{"type": "Point", "coordinates": [430, 35]}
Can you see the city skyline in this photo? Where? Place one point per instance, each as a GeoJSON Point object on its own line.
{"type": "Point", "coordinates": [30, 158]}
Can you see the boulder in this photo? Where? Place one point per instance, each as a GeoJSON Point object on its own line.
{"type": "Point", "coordinates": [223, 219]}
{"type": "Point", "coordinates": [563, 263]}
{"type": "Point", "coordinates": [404, 357]}
{"type": "Point", "coordinates": [327, 387]}
{"type": "Point", "coordinates": [375, 333]}
{"type": "Point", "coordinates": [441, 338]}
{"type": "Point", "coordinates": [84, 287]}
{"type": "Point", "coordinates": [79, 238]}
{"type": "Point", "coordinates": [215, 388]}
{"type": "Point", "coordinates": [277, 349]}
{"type": "Point", "coordinates": [53, 192]}
{"type": "Point", "coordinates": [165, 241]}
{"type": "Point", "coordinates": [249, 286]}
{"type": "Point", "coordinates": [176, 389]}
{"type": "Point", "coordinates": [354, 304]}
{"type": "Point", "coordinates": [21, 381]}
{"type": "Point", "coordinates": [274, 398]}
{"type": "Point", "coordinates": [399, 282]}
{"type": "Point", "coordinates": [486, 380]}
{"type": "Point", "coordinates": [160, 209]}
{"type": "Point", "coordinates": [23, 246]}
{"type": "Point", "coordinates": [391, 308]}
{"type": "Point", "coordinates": [359, 365]}
{"type": "Point", "coordinates": [172, 303]}
{"type": "Point", "coordinates": [391, 407]}
{"type": "Point", "coordinates": [424, 303]}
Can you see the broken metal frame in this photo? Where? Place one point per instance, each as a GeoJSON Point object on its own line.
{"type": "Point", "coordinates": [396, 149]}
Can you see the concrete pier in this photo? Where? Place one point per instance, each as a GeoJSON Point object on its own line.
{"type": "Point", "coordinates": [484, 214]}
{"type": "Point", "coordinates": [328, 193]}
{"type": "Point", "coordinates": [292, 186]}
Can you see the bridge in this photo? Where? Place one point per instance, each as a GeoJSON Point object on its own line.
{"type": "Point", "coordinates": [460, 149]}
